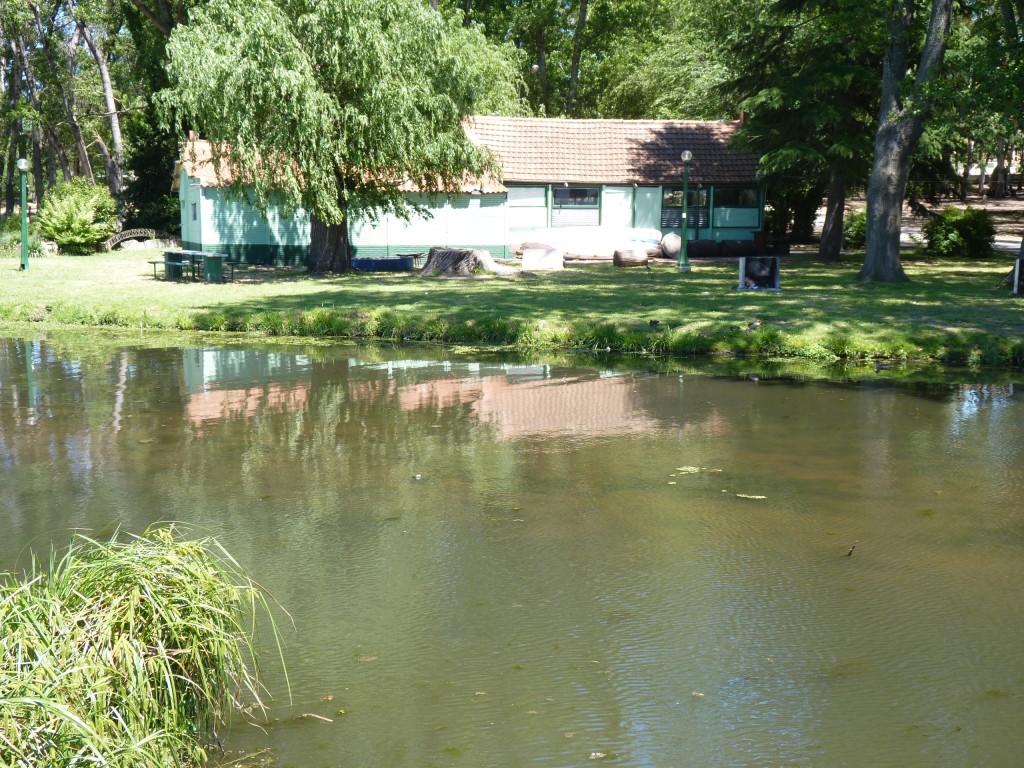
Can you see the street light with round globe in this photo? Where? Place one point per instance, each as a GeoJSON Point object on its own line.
{"type": "Point", "coordinates": [683, 265]}
{"type": "Point", "coordinates": [23, 167]}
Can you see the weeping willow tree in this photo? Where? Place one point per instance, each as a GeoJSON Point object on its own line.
{"type": "Point", "coordinates": [124, 653]}
{"type": "Point", "coordinates": [332, 105]}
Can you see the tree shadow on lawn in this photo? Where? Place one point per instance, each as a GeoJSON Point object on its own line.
{"type": "Point", "coordinates": [813, 294]}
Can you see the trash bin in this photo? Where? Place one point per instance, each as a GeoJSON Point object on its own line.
{"type": "Point", "coordinates": [759, 273]}
{"type": "Point", "coordinates": [172, 265]}
{"type": "Point", "coordinates": [213, 268]}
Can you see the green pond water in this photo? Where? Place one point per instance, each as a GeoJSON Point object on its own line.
{"type": "Point", "coordinates": [499, 564]}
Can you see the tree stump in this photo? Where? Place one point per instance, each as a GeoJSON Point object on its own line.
{"type": "Point", "coordinates": [630, 257]}
{"type": "Point", "coordinates": [461, 262]}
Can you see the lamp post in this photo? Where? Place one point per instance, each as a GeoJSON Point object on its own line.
{"type": "Point", "coordinates": [23, 167]}
{"type": "Point", "coordinates": [683, 265]}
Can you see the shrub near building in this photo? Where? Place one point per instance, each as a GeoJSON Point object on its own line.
{"type": "Point", "coordinates": [78, 216]}
{"type": "Point", "coordinates": [956, 233]}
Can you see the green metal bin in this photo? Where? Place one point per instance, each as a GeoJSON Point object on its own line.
{"type": "Point", "coordinates": [213, 268]}
{"type": "Point", "coordinates": [172, 265]}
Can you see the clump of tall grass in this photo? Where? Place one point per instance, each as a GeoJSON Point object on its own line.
{"type": "Point", "coordinates": [125, 653]}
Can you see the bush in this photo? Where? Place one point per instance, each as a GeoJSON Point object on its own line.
{"type": "Point", "coordinates": [963, 234]}
{"type": "Point", "coordinates": [855, 229]}
{"type": "Point", "coordinates": [10, 239]}
{"type": "Point", "coordinates": [78, 216]}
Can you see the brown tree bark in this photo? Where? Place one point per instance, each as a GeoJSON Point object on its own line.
{"type": "Point", "coordinates": [329, 247]}
{"type": "Point", "coordinates": [577, 55]}
{"type": "Point", "coordinates": [13, 136]}
{"type": "Point", "coordinates": [67, 97]}
{"type": "Point", "coordinates": [901, 122]}
{"type": "Point", "coordinates": [12, 158]}
{"type": "Point", "coordinates": [832, 232]}
{"type": "Point", "coordinates": [38, 167]}
{"type": "Point", "coordinates": [161, 13]}
{"type": "Point", "coordinates": [542, 68]}
{"type": "Point", "coordinates": [115, 158]}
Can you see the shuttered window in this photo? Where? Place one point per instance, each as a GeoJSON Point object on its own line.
{"type": "Point", "coordinates": [697, 213]}
{"type": "Point", "coordinates": [576, 207]}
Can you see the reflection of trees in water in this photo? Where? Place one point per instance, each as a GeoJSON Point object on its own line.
{"type": "Point", "coordinates": [62, 417]}
{"type": "Point", "coordinates": [153, 427]}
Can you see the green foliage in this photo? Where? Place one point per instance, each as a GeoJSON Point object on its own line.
{"type": "Point", "coordinates": [148, 201]}
{"type": "Point", "coordinates": [808, 85]}
{"type": "Point", "coordinates": [392, 79]}
{"type": "Point", "coordinates": [78, 216]}
{"type": "Point", "coordinates": [855, 229]}
{"type": "Point", "coordinates": [10, 239]}
{"type": "Point", "coordinates": [956, 233]}
{"type": "Point", "coordinates": [123, 653]}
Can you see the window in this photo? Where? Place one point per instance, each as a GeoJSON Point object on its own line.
{"type": "Point", "coordinates": [528, 197]}
{"type": "Point", "coordinates": [577, 197]}
{"type": "Point", "coordinates": [193, 211]}
{"type": "Point", "coordinates": [737, 197]}
{"type": "Point", "coordinates": [672, 208]}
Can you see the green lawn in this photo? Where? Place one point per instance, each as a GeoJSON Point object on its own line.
{"type": "Point", "coordinates": [951, 312]}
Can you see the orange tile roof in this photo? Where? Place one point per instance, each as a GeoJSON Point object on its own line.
{"type": "Point", "coordinates": [555, 150]}
{"type": "Point", "coordinates": [195, 157]}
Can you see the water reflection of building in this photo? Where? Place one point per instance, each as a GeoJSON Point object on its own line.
{"type": "Point", "coordinates": [591, 407]}
{"type": "Point", "coordinates": [222, 384]}
{"type": "Point", "coordinates": [519, 401]}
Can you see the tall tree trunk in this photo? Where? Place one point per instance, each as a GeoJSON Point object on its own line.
{"type": "Point", "coordinates": [965, 179]}
{"type": "Point", "coordinates": [900, 124]}
{"type": "Point", "coordinates": [51, 161]}
{"type": "Point", "coordinates": [998, 187]}
{"type": "Point", "coordinates": [577, 54]}
{"type": "Point", "coordinates": [542, 70]}
{"type": "Point", "coordinates": [329, 247]}
{"type": "Point", "coordinates": [1009, 21]}
{"type": "Point", "coordinates": [15, 136]}
{"type": "Point", "coordinates": [62, 156]}
{"type": "Point", "coordinates": [38, 168]}
{"type": "Point", "coordinates": [115, 159]}
{"type": "Point", "coordinates": [67, 95]}
{"type": "Point", "coordinates": [832, 233]}
{"type": "Point", "coordinates": [13, 132]}
{"type": "Point", "coordinates": [12, 158]}
{"type": "Point", "coordinates": [35, 135]}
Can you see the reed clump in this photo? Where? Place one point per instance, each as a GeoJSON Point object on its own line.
{"type": "Point", "coordinates": [130, 652]}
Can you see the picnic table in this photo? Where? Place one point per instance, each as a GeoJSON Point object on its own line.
{"type": "Point", "coordinates": [180, 264]}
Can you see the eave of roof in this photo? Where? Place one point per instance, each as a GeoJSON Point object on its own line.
{"type": "Point", "coordinates": [196, 159]}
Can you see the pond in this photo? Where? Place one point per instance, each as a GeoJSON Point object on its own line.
{"type": "Point", "coordinates": [496, 563]}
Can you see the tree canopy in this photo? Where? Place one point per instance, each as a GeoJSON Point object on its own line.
{"type": "Point", "coordinates": [333, 105]}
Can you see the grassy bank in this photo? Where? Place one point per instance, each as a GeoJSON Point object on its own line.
{"type": "Point", "coordinates": [123, 653]}
{"type": "Point", "coordinates": [951, 313]}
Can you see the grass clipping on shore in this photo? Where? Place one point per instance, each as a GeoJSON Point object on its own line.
{"type": "Point", "coordinates": [124, 653]}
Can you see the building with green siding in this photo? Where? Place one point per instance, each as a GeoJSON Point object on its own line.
{"type": "Point", "coordinates": [570, 180]}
